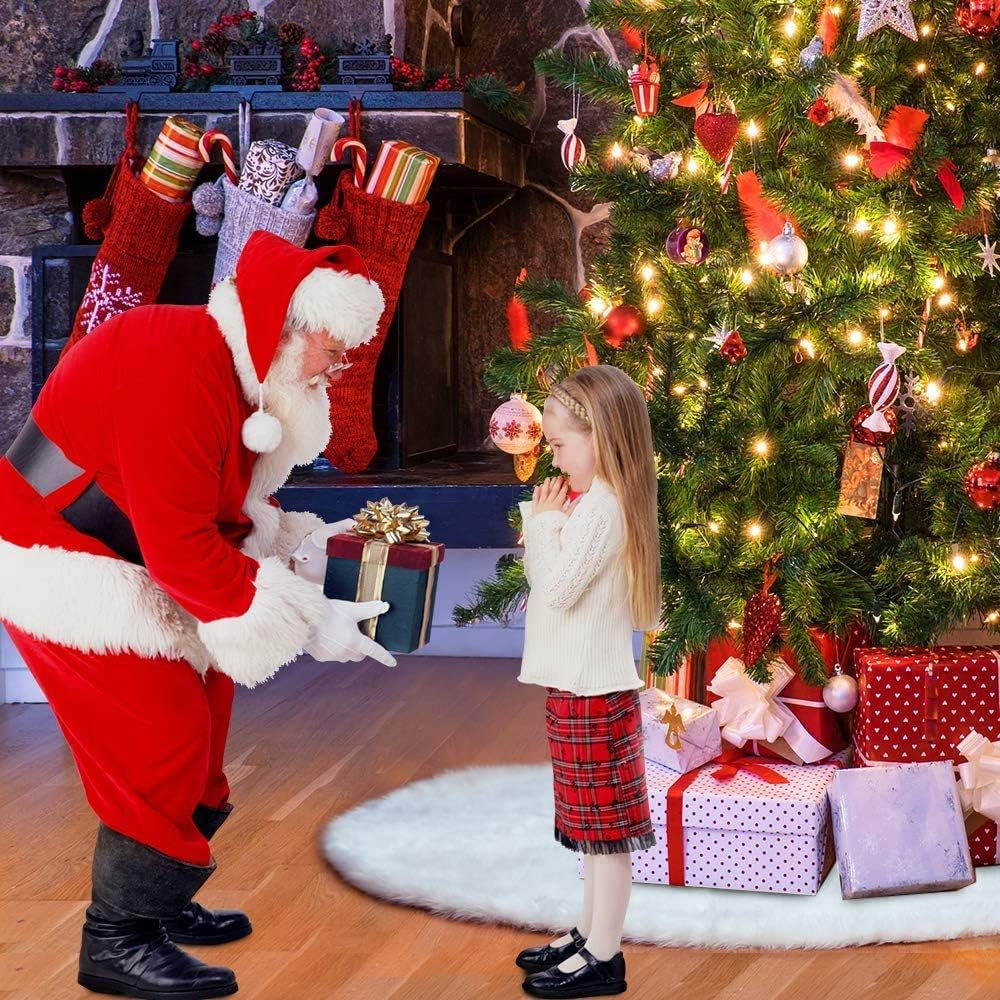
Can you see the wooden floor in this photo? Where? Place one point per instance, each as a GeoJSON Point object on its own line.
{"type": "Point", "coordinates": [312, 744]}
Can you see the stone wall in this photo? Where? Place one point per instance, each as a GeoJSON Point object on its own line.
{"type": "Point", "coordinates": [542, 226]}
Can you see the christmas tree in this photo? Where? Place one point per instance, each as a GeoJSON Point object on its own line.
{"type": "Point", "coordinates": [787, 197]}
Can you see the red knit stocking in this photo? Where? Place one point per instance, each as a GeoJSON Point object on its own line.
{"type": "Point", "coordinates": [384, 232]}
{"type": "Point", "coordinates": [140, 232]}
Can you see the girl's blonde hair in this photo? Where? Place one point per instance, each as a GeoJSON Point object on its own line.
{"type": "Point", "coordinates": [605, 401]}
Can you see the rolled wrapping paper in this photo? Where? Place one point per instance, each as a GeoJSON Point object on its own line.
{"type": "Point", "coordinates": [173, 164]}
{"type": "Point", "coordinates": [402, 173]}
{"type": "Point", "coordinates": [269, 170]}
{"type": "Point", "coordinates": [313, 155]}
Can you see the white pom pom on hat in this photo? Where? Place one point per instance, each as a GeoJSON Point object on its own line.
{"type": "Point", "coordinates": [341, 298]}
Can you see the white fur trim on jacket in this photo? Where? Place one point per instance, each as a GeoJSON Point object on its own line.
{"type": "Point", "coordinates": [276, 532]}
{"type": "Point", "coordinates": [95, 604]}
{"type": "Point", "coordinates": [271, 632]}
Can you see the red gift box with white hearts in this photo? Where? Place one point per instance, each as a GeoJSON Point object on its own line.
{"type": "Point", "coordinates": [918, 703]}
{"type": "Point", "coordinates": [805, 702]}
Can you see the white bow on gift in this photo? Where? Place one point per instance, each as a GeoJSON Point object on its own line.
{"type": "Point", "coordinates": [749, 710]}
{"type": "Point", "coordinates": [979, 786]}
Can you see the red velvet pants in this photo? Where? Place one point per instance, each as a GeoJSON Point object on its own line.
{"type": "Point", "coordinates": [147, 734]}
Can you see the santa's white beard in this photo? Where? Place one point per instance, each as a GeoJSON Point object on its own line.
{"type": "Point", "coordinates": [303, 410]}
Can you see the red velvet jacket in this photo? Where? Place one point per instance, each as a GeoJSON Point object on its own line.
{"type": "Point", "coordinates": [151, 405]}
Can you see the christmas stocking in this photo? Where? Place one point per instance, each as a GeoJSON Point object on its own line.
{"type": "Point", "coordinates": [140, 229]}
{"type": "Point", "coordinates": [385, 233]}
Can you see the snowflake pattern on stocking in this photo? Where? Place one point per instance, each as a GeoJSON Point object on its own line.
{"type": "Point", "coordinates": [106, 297]}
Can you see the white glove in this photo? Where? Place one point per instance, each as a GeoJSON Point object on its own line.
{"type": "Point", "coordinates": [309, 559]}
{"type": "Point", "coordinates": [338, 637]}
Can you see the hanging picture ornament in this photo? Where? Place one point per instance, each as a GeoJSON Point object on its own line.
{"type": "Point", "coordinates": [644, 81]}
{"type": "Point", "coordinates": [787, 253]}
{"type": "Point", "coordinates": [729, 343]}
{"type": "Point", "coordinates": [840, 693]}
{"type": "Point", "coordinates": [761, 618]}
{"type": "Point", "coordinates": [573, 150]}
{"type": "Point", "coordinates": [687, 244]}
{"type": "Point", "coordinates": [623, 323]}
{"type": "Point", "coordinates": [878, 439]}
{"type": "Point", "coordinates": [895, 14]}
{"type": "Point", "coordinates": [883, 387]}
{"type": "Point", "coordinates": [966, 337]}
{"type": "Point", "coordinates": [979, 18]}
{"type": "Point", "coordinates": [988, 254]}
{"type": "Point", "coordinates": [982, 482]}
{"type": "Point", "coordinates": [516, 426]}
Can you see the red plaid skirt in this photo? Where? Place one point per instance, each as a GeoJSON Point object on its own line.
{"type": "Point", "coordinates": [599, 772]}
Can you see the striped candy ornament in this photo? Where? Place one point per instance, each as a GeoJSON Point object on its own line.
{"type": "Point", "coordinates": [173, 165]}
{"type": "Point", "coordinates": [402, 173]}
{"type": "Point", "coordinates": [358, 154]}
{"type": "Point", "coordinates": [216, 138]}
{"type": "Point", "coordinates": [573, 150]}
{"type": "Point", "coordinates": [883, 387]}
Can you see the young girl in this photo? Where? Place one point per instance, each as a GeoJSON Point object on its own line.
{"type": "Point", "coordinates": [592, 561]}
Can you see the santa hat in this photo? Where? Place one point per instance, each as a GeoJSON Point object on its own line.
{"type": "Point", "coordinates": [277, 284]}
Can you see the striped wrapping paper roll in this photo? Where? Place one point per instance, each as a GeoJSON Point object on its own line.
{"type": "Point", "coordinates": [175, 160]}
{"type": "Point", "coordinates": [402, 173]}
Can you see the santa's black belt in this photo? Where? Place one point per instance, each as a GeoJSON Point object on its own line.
{"type": "Point", "coordinates": [42, 464]}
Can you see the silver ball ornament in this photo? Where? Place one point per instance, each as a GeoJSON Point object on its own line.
{"type": "Point", "coordinates": [787, 253]}
{"type": "Point", "coordinates": [841, 692]}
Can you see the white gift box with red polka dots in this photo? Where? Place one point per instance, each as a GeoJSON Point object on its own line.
{"type": "Point", "coordinates": [743, 833]}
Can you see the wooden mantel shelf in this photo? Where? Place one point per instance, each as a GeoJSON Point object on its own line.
{"type": "Point", "coordinates": [49, 130]}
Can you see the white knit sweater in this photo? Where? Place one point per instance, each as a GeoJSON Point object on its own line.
{"type": "Point", "coordinates": [578, 630]}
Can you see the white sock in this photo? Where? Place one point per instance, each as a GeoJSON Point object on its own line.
{"type": "Point", "coordinates": [612, 888]}
{"type": "Point", "coordinates": [583, 925]}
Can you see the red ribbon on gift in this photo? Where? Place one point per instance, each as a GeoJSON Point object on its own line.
{"type": "Point", "coordinates": [730, 762]}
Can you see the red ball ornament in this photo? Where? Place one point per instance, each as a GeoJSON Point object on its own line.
{"type": "Point", "coordinates": [982, 482]}
{"type": "Point", "coordinates": [875, 438]}
{"type": "Point", "coordinates": [622, 323]}
{"type": "Point", "coordinates": [979, 18]}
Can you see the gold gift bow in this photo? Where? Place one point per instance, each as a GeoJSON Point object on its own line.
{"type": "Point", "coordinates": [384, 524]}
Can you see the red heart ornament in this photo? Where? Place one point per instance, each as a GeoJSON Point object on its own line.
{"type": "Point", "coordinates": [717, 133]}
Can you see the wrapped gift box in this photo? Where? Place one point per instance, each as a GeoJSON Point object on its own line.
{"type": "Point", "coordinates": [678, 733]}
{"type": "Point", "coordinates": [819, 724]}
{"type": "Point", "coordinates": [402, 172]}
{"type": "Point", "coordinates": [899, 830]}
{"type": "Point", "coordinates": [269, 170]}
{"type": "Point", "coordinates": [765, 829]}
{"type": "Point", "coordinates": [918, 704]}
{"type": "Point", "coordinates": [404, 574]}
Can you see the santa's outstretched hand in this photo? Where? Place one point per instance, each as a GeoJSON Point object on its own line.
{"type": "Point", "coordinates": [338, 637]}
{"type": "Point", "coordinates": [309, 559]}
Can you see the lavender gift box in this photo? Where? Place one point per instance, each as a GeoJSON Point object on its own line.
{"type": "Point", "coordinates": [678, 733]}
{"type": "Point", "coordinates": [743, 833]}
{"type": "Point", "coordinates": [899, 830]}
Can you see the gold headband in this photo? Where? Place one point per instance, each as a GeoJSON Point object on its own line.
{"type": "Point", "coordinates": [572, 404]}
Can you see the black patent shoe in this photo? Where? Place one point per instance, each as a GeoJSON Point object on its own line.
{"type": "Point", "coordinates": [130, 956]}
{"type": "Point", "coordinates": [595, 979]}
{"type": "Point", "coordinates": [196, 925]}
{"type": "Point", "coordinates": [544, 957]}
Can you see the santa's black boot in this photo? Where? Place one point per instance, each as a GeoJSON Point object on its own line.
{"type": "Point", "coordinates": [125, 951]}
{"type": "Point", "coordinates": [195, 924]}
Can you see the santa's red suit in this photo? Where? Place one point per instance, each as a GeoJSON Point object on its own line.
{"type": "Point", "coordinates": [144, 567]}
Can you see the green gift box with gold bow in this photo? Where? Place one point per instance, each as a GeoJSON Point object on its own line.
{"type": "Point", "coordinates": [388, 556]}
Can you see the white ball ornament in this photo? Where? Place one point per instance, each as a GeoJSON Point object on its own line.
{"type": "Point", "coordinates": [787, 252]}
{"type": "Point", "coordinates": [840, 692]}
{"type": "Point", "coordinates": [516, 426]}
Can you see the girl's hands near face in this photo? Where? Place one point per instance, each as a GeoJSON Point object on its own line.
{"type": "Point", "coordinates": [549, 495]}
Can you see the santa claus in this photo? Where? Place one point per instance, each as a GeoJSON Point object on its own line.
{"type": "Point", "coordinates": [145, 568]}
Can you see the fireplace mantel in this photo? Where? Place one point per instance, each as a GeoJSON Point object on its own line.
{"type": "Point", "coordinates": [40, 130]}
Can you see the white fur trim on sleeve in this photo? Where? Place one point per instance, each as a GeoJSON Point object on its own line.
{"type": "Point", "coordinates": [293, 527]}
{"type": "Point", "coordinates": [251, 647]}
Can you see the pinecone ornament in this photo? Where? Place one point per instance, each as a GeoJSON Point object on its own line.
{"type": "Point", "coordinates": [761, 619]}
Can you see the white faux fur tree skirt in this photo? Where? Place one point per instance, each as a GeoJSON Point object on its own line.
{"type": "Point", "coordinates": [477, 845]}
